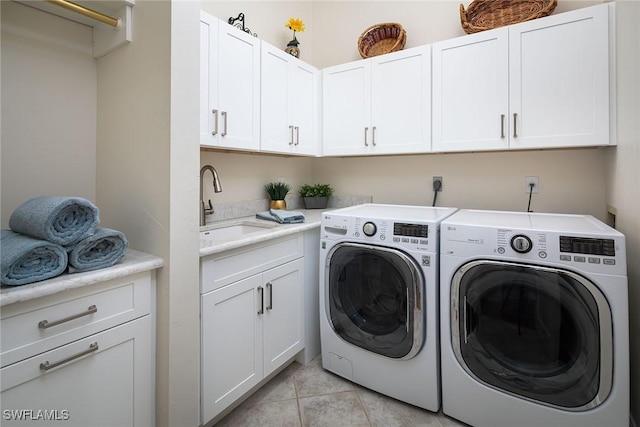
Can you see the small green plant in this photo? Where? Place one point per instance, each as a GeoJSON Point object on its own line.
{"type": "Point", "coordinates": [316, 190]}
{"type": "Point", "coordinates": [277, 190]}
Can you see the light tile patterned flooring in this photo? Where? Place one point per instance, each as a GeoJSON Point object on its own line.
{"type": "Point", "coordinates": [310, 396]}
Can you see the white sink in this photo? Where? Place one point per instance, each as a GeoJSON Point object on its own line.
{"type": "Point", "coordinates": [234, 231]}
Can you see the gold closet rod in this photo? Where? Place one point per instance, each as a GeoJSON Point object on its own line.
{"type": "Point", "coordinates": [105, 19]}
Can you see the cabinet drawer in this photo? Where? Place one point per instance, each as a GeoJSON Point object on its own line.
{"type": "Point", "coordinates": [103, 379]}
{"type": "Point", "coordinates": [227, 267]}
{"type": "Point", "coordinates": [40, 325]}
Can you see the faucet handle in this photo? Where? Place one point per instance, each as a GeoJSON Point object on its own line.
{"type": "Point", "coordinates": [209, 210]}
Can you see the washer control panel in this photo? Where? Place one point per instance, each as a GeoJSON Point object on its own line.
{"type": "Point", "coordinates": [407, 235]}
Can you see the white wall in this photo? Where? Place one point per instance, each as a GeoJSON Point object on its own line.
{"type": "Point", "coordinates": [148, 181]}
{"type": "Point", "coordinates": [623, 173]}
{"type": "Point", "coordinates": [48, 108]}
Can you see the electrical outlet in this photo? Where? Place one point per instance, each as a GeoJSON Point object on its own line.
{"type": "Point", "coordinates": [438, 183]}
{"type": "Point", "coordinates": [528, 180]}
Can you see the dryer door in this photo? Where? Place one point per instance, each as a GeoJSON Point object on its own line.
{"type": "Point", "coordinates": [539, 333]}
{"type": "Point", "coordinates": [374, 299]}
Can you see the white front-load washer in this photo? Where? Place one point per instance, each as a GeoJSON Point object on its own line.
{"type": "Point", "coordinates": [534, 320]}
{"type": "Point", "coordinates": [379, 299]}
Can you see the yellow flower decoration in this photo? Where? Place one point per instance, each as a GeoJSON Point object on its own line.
{"type": "Point", "coordinates": [295, 24]}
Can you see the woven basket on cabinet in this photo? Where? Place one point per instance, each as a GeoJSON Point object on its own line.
{"type": "Point", "coordinates": [484, 15]}
{"type": "Point", "coordinates": [382, 38]}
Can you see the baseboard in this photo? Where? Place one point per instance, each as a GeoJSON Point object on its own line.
{"type": "Point", "coordinates": [632, 422]}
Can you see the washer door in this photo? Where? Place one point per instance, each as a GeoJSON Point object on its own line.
{"type": "Point", "coordinates": [374, 299]}
{"type": "Point", "coordinates": [539, 333]}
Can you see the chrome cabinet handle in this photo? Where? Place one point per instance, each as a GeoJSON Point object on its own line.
{"type": "Point", "coordinates": [501, 125]}
{"type": "Point", "coordinates": [261, 292]}
{"type": "Point", "coordinates": [225, 116]}
{"type": "Point", "coordinates": [373, 136]}
{"type": "Point", "coordinates": [366, 144]}
{"type": "Point", "coordinates": [297, 135]}
{"type": "Point", "coordinates": [515, 119]}
{"type": "Point", "coordinates": [44, 324]}
{"type": "Point", "coordinates": [291, 140]}
{"type": "Point", "coordinates": [270, 288]}
{"type": "Point", "coordinates": [215, 122]}
{"type": "Point", "coordinates": [47, 366]}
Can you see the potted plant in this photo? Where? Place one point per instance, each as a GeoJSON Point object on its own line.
{"type": "Point", "coordinates": [315, 196]}
{"type": "Point", "coordinates": [277, 191]}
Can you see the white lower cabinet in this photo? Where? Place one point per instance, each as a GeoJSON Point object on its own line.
{"type": "Point", "coordinates": [83, 370]}
{"type": "Point", "coordinates": [252, 326]}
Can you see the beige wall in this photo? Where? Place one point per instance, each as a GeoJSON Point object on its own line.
{"type": "Point", "coordinates": [48, 108]}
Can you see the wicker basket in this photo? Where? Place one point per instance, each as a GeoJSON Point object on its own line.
{"type": "Point", "coordinates": [488, 14]}
{"type": "Point", "coordinates": [381, 38]}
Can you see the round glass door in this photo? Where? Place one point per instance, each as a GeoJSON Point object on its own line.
{"type": "Point", "coordinates": [375, 299]}
{"type": "Point", "coordinates": [539, 333]}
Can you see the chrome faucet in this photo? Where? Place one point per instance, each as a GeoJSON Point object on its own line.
{"type": "Point", "coordinates": [217, 187]}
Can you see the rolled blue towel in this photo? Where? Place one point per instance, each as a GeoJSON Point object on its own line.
{"type": "Point", "coordinates": [24, 259]}
{"type": "Point", "coordinates": [102, 249]}
{"type": "Point", "coordinates": [282, 216]}
{"type": "Point", "coordinates": [58, 219]}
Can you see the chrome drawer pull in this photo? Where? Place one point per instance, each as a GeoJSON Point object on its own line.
{"type": "Point", "coordinates": [291, 140]}
{"type": "Point", "coordinates": [270, 288]}
{"type": "Point", "coordinates": [44, 324]}
{"type": "Point", "coordinates": [215, 121]}
{"type": "Point", "coordinates": [297, 135]}
{"type": "Point", "coordinates": [373, 136]}
{"type": "Point", "coordinates": [261, 291]}
{"type": "Point", "coordinates": [501, 125]}
{"type": "Point", "coordinates": [46, 365]}
{"type": "Point", "coordinates": [225, 116]}
{"type": "Point", "coordinates": [515, 119]}
{"type": "Point", "coordinates": [366, 144]}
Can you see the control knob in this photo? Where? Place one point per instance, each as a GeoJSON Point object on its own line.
{"type": "Point", "coordinates": [369, 229]}
{"type": "Point", "coordinates": [521, 244]}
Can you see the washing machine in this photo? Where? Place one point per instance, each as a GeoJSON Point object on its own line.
{"type": "Point", "coordinates": [534, 320]}
{"type": "Point", "coordinates": [379, 299]}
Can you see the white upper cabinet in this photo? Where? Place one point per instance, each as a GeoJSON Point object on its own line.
{"type": "Point", "coordinates": [289, 88]}
{"type": "Point", "coordinates": [559, 77]}
{"type": "Point", "coordinates": [542, 83]}
{"type": "Point", "coordinates": [229, 86]}
{"type": "Point", "coordinates": [380, 105]}
{"type": "Point", "coordinates": [471, 92]}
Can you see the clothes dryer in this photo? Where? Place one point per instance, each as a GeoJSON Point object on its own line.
{"type": "Point", "coordinates": [379, 299]}
{"type": "Point", "coordinates": [534, 320]}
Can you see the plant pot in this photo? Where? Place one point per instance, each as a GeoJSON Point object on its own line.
{"type": "Point", "coordinates": [278, 204]}
{"type": "Point", "coordinates": [315, 202]}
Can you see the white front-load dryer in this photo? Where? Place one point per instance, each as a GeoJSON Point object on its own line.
{"type": "Point", "coordinates": [379, 299]}
{"type": "Point", "coordinates": [534, 320]}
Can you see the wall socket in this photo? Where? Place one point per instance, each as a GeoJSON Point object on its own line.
{"type": "Point", "coordinates": [437, 179]}
{"type": "Point", "coordinates": [528, 180]}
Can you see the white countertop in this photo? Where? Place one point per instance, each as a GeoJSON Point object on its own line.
{"type": "Point", "coordinates": [312, 220]}
{"type": "Point", "coordinates": [133, 262]}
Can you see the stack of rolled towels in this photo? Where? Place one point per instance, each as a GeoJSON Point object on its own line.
{"type": "Point", "coordinates": [50, 235]}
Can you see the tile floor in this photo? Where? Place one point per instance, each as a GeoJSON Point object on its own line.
{"type": "Point", "coordinates": [310, 396]}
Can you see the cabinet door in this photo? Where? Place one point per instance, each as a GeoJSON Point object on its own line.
{"type": "Point", "coordinates": [231, 344]}
{"type": "Point", "coordinates": [401, 102]}
{"type": "Point", "coordinates": [283, 323]}
{"type": "Point", "coordinates": [209, 114]}
{"type": "Point", "coordinates": [559, 70]}
{"type": "Point", "coordinates": [471, 92]}
{"type": "Point", "coordinates": [107, 380]}
{"type": "Point", "coordinates": [277, 129]}
{"type": "Point", "coordinates": [303, 97]}
{"type": "Point", "coordinates": [238, 88]}
{"type": "Point", "coordinates": [346, 108]}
